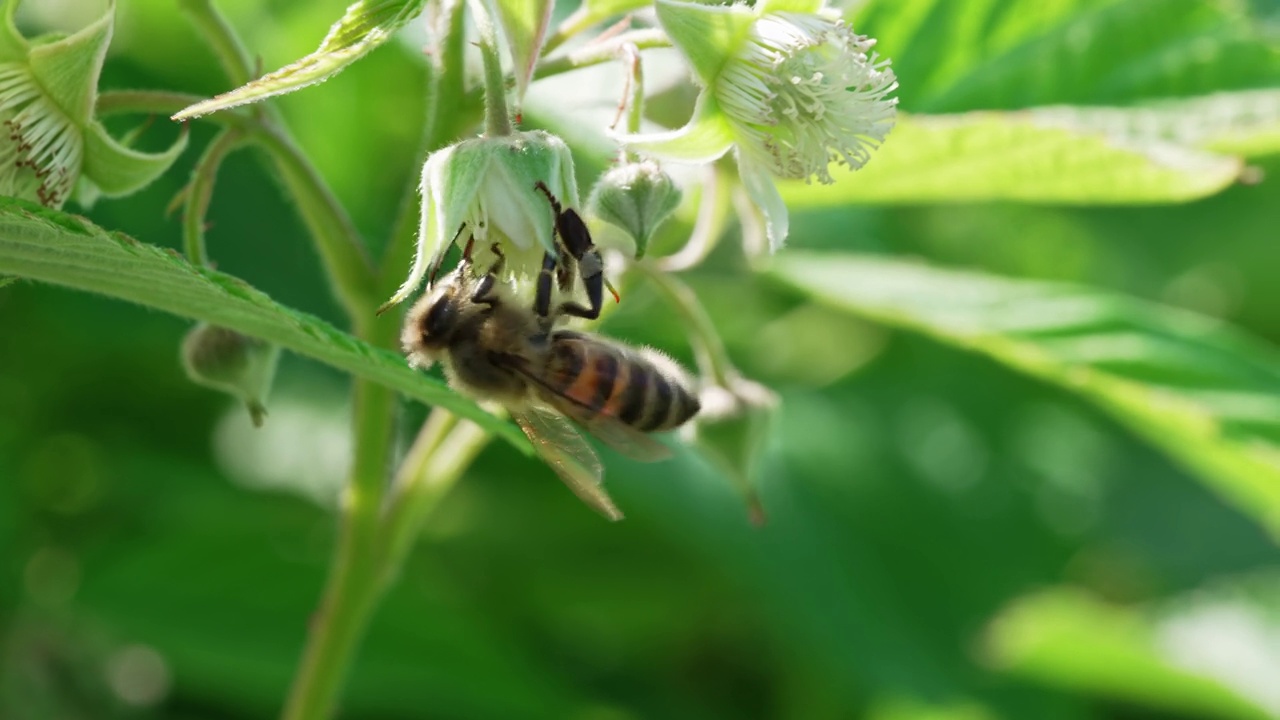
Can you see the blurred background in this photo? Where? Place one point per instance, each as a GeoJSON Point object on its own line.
{"type": "Point", "coordinates": [947, 539]}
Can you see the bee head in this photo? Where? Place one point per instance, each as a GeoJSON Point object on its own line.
{"type": "Point", "coordinates": [430, 326]}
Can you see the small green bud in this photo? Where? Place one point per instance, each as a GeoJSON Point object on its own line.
{"type": "Point", "coordinates": [488, 186]}
{"type": "Point", "coordinates": [225, 360]}
{"type": "Point", "coordinates": [731, 430]}
{"type": "Point", "coordinates": [636, 197]}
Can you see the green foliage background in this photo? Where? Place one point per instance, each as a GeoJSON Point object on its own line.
{"type": "Point", "coordinates": [947, 537]}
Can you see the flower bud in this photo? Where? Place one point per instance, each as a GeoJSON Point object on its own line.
{"type": "Point", "coordinates": [236, 364]}
{"type": "Point", "coordinates": [636, 197]}
{"type": "Point", "coordinates": [731, 430]}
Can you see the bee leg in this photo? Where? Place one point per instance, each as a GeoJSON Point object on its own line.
{"type": "Point", "coordinates": [542, 300]}
{"type": "Point", "coordinates": [434, 270]}
{"type": "Point", "coordinates": [576, 240]}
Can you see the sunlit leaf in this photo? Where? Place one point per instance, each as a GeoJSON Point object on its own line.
{"type": "Point", "coordinates": [65, 250]}
{"type": "Point", "coordinates": [977, 55]}
{"type": "Point", "coordinates": [1201, 391]}
{"type": "Point", "coordinates": [1047, 156]}
{"type": "Point", "coordinates": [366, 25]}
{"type": "Point", "coordinates": [1071, 640]}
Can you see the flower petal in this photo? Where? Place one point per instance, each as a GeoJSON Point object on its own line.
{"type": "Point", "coordinates": [706, 137]}
{"type": "Point", "coordinates": [708, 35]}
{"type": "Point", "coordinates": [758, 182]}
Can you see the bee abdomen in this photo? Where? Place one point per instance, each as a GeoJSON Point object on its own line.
{"type": "Point", "coordinates": [670, 404]}
{"type": "Point", "coordinates": [603, 378]}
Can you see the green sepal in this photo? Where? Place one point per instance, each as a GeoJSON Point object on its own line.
{"type": "Point", "coordinates": [67, 70]}
{"type": "Point", "coordinates": [706, 136]}
{"type": "Point", "coordinates": [760, 186]}
{"type": "Point", "coordinates": [365, 25]}
{"type": "Point", "coordinates": [13, 47]}
{"type": "Point", "coordinates": [116, 170]}
{"type": "Point", "coordinates": [707, 35]}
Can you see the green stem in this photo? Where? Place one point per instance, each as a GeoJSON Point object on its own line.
{"type": "Point", "coordinates": [230, 52]}
{"type": "Point", "coordinates": [712, 356]}
{"type": "Point", "coordinates": [445, 448]}
{"type": "Point", "coordinates": [497, 119]}
{"type": "Point", "coordinates": [353, 589]}
{"type": "Point", "coordinates": [345, 261]}
{"type": "Point", "coordinates": [597, 53]}
{"type": "Point", "coordinates": [200, 193]}
{"type": "Point", "coordinates": [579, 20]}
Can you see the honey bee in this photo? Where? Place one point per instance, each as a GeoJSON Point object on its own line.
{"type": "Point", "coordinates": [494, 349]}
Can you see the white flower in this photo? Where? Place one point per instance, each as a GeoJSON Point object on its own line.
{"type": "Point", "coordinates": [787, 84]}
{"type": "Point", "coordinates": [805, 91]}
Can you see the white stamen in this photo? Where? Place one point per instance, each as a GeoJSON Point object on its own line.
{"type": "Point", "coordinates": [40, 148]}
{"type": "Point", "coordinates": [805, 92]}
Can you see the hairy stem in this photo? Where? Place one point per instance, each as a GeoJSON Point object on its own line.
{"type": "Point", "coordinates": [497, 119]}
{"type": "Point", "coordinates": [199, 193]}
{"type": "Point", "coordinates": [352, 591]}
{"type": "Point", "coordinates": [447, 83]}
{"type": "Point", "coordinates": [601, 52]}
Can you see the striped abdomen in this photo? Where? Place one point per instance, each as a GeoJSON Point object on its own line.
{"type": "Point", "coordinates": [598, 377]}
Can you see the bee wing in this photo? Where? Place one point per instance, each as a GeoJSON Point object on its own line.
{"type": "Point", "coordinates": [612, 431]}
{"type": "Point", "coordinates": [564, 449]}
{"type": "Point", "coordinates": [606, 426]}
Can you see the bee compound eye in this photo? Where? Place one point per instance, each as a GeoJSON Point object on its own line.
{"type": "Point", "coordinates": [439, 319]}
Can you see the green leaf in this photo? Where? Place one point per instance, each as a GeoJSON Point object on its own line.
{"type": "Point", "coordinates": [62, 249]}
{"type": "Point", "coordinates": [524, 23]}
{"type": "Point", "coordinates": [1200, 391]}
{"type": "Point", "coordinates": [978, 55]}
{"type": "Point", "coordinates": [1068, 639]}
{"type": "Point", "coordinates": [1047, 155]}
{"type": "Point", "coordinates": [1245, 123]}
{"type": "Point", "coordinates": [366, 25]}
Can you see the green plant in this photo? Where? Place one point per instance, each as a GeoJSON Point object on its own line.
{"type": "Point", "coordinates": [1199, 391]}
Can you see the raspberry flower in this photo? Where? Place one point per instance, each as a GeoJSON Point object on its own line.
{"type": "Point", "coordinates": [787, 84]}
{"type": "Point", "coordinates": [486, 188]}
{"type": "Point", "coordinates": [50, 142]}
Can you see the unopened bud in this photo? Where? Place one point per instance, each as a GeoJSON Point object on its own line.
{"type": "Point", "coordinates": [731, 430]}
{"type": "Point", "coordinates": [225, 360]}
{"type": "Point", "coordinates": [636, 197]}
